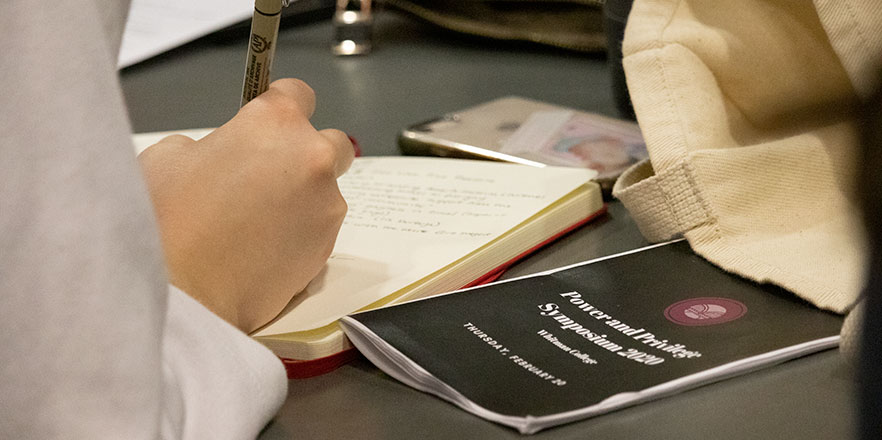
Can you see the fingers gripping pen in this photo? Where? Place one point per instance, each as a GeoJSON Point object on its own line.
{"type": "Point", "coordinates": [261, 47]}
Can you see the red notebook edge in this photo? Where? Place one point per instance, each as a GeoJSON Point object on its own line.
{"type": "Point", "coordinates": [302, 369]}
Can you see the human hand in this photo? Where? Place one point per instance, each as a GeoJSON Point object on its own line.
{"type": "Point", "coordinates": [249, 214]}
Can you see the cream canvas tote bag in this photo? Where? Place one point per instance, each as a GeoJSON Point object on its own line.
{"type": "Point", "coordinates": [746, 111]}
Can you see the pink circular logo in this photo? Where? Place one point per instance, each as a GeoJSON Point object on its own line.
{"type": "Point", "coordinates": [705, 311]}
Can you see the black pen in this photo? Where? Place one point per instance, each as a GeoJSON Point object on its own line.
{"type": "Point", "coordinates": [261, 47]}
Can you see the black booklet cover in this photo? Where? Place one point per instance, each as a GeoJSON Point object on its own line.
{"type": "Point", "coordinates": [583, 340]}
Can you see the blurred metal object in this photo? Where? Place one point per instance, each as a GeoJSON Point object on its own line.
{"type": "Point", "coordinates": [353, 22]}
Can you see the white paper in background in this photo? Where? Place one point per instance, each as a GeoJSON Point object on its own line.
{"type": "Point", "coordinates": [155, 26]}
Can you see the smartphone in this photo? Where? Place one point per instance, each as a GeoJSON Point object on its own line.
{"type": "Point", "coordinates": [529, 132]}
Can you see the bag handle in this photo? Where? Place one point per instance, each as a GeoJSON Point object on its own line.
{"type": "Point", "coordinates": [664, 205]}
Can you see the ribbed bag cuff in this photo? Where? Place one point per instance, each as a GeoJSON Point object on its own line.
{"type": "Point", "coordinates": [663, 205]}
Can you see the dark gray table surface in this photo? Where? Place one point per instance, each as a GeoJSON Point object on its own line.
{"type": "Point", "coordinates": [415, 73]}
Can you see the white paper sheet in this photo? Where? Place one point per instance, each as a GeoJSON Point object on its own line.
{"type": "Point", "coordinates": [156, 26]}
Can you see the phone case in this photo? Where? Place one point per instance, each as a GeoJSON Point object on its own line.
{"type": "Point", "coordinates": [521, 130]}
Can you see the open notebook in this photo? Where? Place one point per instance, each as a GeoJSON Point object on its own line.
{"type": "Point", "coordinates": [420, 226]}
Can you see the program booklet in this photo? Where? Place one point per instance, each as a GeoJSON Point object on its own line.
{"type": "Point", "coordinates": [587, 339]}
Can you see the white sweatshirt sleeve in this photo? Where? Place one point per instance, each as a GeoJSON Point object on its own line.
{"type": "Point", "coordinates": [220, 384]}
{"type": "Point", "coordinates": [93, 342]}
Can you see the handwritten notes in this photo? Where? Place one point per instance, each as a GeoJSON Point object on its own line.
{"type": "Point", "coordinates": [410, 217]}
{"type": "Point", "coordinates": [427, 201]}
